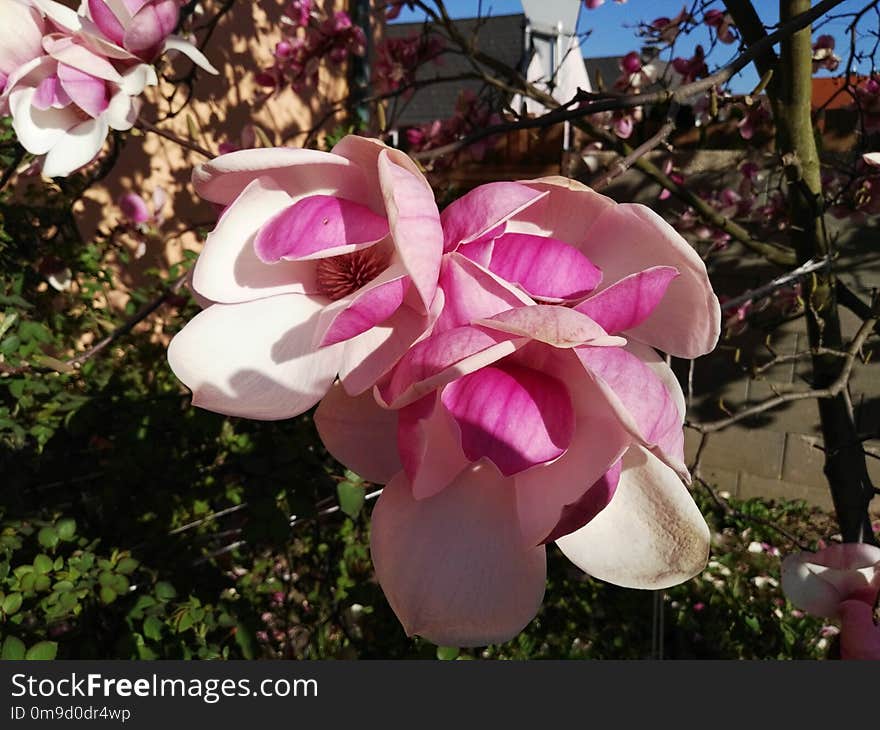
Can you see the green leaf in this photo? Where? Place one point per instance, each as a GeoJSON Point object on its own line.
{"type": "Point", "coordinates": [351, 498]}
{"type": "Point", "coordinates": [12, 603]}
{"type": "Point", "coordinates": [44, 651]}
{"type": "Point", "coordinates": [66, 528]}
{"type": "Point", "coordinates": [184, 622]}
{"type": "Point", "coordinates": [153, 628]}
{"type": "Point", "coordinates": [42, 583]}
{"type": "Point", "coordinates": [108, 595]}
{"type": "Point", "coordinates": [13, 648]}
{"type": "Point", "coordinates": [127, 566]}
{"type": "Point", "coordinates": [27, 582]}
{"type": "Point", "coordinates": [42, 563]}
{"type": "Point", "coordinates": [165, 591]}
{"type": "Point", "coordinates": [48, 537]}
{"type": "Point", "coordinates": [119, 584]}
{"type": "Point", "coordinates": [447, 653]}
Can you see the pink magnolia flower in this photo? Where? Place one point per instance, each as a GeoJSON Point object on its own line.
{"type": "Point", "coordinates": [64, 101]}
{"type": "Point", "coordinates": [691, 68]}
{"type": "Point", "coordinates": [21, 36]}
{"type": "Point", "coordinates": [722, 24]}
{"type": "Point", "coordinates": [667, 29]}
{"type": "Point", "coordinates": [128, 32]}
{"type": "Point", "coordinates": [823, 54]}
{"type": "Point", "coordinates": [536, 411]}
{"type": "Point", "coordinates": [134, 208]}
{"type": "Point", "coordinates": [321, 263]}
{"type": "Point", "coordinates": [840, 581]}
{"type": "Point", "coordinates": [138, 26]}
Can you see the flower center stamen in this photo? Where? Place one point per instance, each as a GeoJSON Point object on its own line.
{"type": "Point", "coordinates": [339, 276]}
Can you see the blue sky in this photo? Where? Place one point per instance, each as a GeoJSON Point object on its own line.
{"type": "Point", "coordinates": [613, 26]}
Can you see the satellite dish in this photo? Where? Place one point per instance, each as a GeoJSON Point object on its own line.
{"type": "Point", "coordinates": [547, 15]}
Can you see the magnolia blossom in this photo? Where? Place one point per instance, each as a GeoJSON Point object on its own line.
{"type": "Point", "coordinates": [64, 103]}
{"type": "Point", "coordinates": [81, 84]}
{"type": "Point", "coordinates": [537, 410]}
{"type": "Point", "coordinates": [21, 36]}
{"type": "Point", "coordinates": [840, 581]}
{"type": "Point", "coordinates": [321, 263]}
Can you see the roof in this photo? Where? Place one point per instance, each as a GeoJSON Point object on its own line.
{"type": "Point", "coordinates": [607, 68]}
{"type": "Point", "coordinates": [499, 36]}
{"type": "Point", "coordinates": [830, 93]}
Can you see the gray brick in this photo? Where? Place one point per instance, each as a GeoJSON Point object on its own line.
{"type": "Point", "coordinates": [755, 451]}
{"type": "Point", "coordinates": [751, 486]}
{"type": "Point", "coordinates": [803, 462]}
{"type": "Point", "coordinates": [794, 417]}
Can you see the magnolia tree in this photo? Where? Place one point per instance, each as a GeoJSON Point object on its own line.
{"type": "Point", "coordinates": [499, 365]}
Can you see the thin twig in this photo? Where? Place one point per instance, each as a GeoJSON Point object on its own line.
{"type": "Point", "coordinates": [831, 391]}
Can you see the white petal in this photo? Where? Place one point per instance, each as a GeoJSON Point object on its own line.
{"type": "Point", "coordinates": [177, 43]}
{"type": "Point", "coordinates": [255, 359]}
{"type": "Point", "coordinates": [79, 147]}
{"type": "Point", "coordinates": [651, 535]}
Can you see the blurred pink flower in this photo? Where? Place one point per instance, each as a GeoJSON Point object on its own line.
{"type": "Point", "coordinates": [691, 68]}
{"type": "Point", "coordinates": [134, 208]}
{"type": "Point", "coordinates": [840, 581]}
{"type": "Point", "coordinates": [823, 54]}
{"type": "Point", "coordinates": [722, 23]}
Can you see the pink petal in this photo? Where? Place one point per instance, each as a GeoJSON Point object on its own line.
{"type": "Point", "coordinates": [472, 293]}
{"type": "Point", "coordinates": [359, 434]}
{"type": "Point", "coordinates": [630, 237]}
{"type": "Point", "coordinates": [440, 359]}
{"type": "Point", "coordinates": [595, 499]}
{"type": "Point", "coordinates": [599, 441]}
{"type": "Point", "coordinates": [150, 25]}
{"type": "Point", "coordinates": [453, 567]}
{"type": "Point", "coordinates": [298, 172]}
{"type": "Point", "coordinates": [318, 226]}
{"type": "Point", "coordinates": [415, 225]}
{"type": "Point", "coordinates": [642, 400]}
{"type": "Point", "coordinates": [848, 556]}
{"type": "Point", "coordinates": [371, 307]}
{"type": "Point", "coordinates": [49, 94]}
{"type": "Point", "coordinates": [859, 635]}
{"type": "Point", "coordinates": [429, 443]}
{"type": "Point", "coordinates": [552, 324]}
{"type": "Point", "coordinates": [544, 267]}
{"type": "Point", "coordinates": [106, 20]}
{"type": "Point", "coordinates": [514, 416]}
{"type": "Point", "coordinates": [651, 535]}
{"type": "Point", "coordinates": [630, 301]}
{"type": "Point", "coordinates": [87, 92]}
{"type": "Point", "coordinates": [66, 50]}
{"type": "Point", "coordinates": [134, 208]}
{"type": "Point", "coordinates": [364, 152]}
{"type": "Point", "coordinates": [368, 357]}
{"type": "Point", "coordinates": [255, 359]}
{"type": "Point", "coordinates": [21, 35]}
{"type": "Point", "coordinates": [554, 214]}
{"type": "Point", "coordinates": [482, 209]}
{"type": "Point", "coordinates": [228, 269]}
